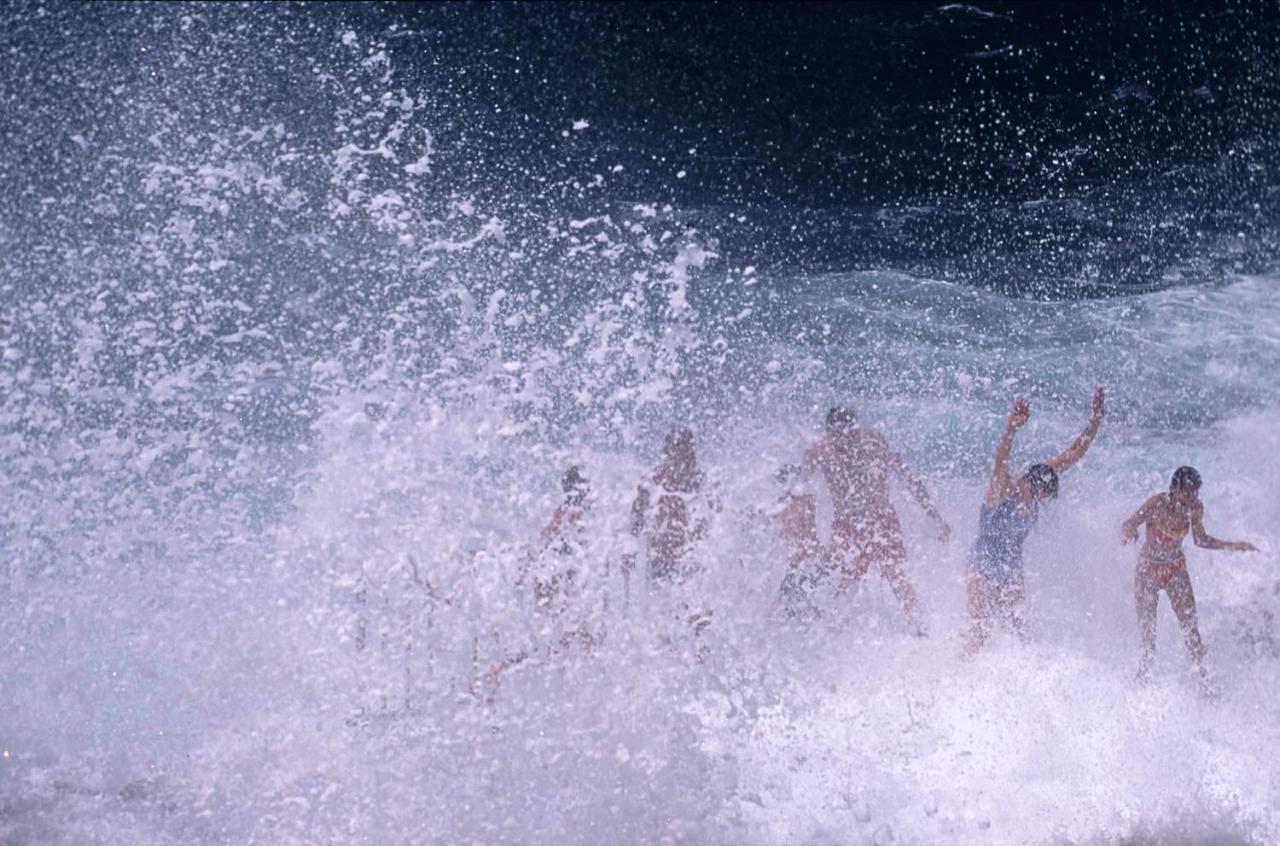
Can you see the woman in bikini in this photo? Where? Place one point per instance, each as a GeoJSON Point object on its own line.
{"type": "Point", "coordinates": [1162, 566]}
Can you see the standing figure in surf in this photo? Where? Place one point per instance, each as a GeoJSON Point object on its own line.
{"type": "Point", "coordinates": [553, 571]}
{"type": "Point", "coordinates": [1009, 511]}
{"type": "Point", "coordinates": [671, 512]}
{"type": "Point", "coordinates": [808, 559]}
{"type": "Point", "coordinates": [857, 463]}
{"type": "Point", "coordinates": [1162, 565]}
{"type": "Point", "coordinates": [666, 510]}
{"type": "Point", "coordinates": [553, 565]}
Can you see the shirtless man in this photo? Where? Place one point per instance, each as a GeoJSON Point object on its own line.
{"type": "Point", "coordinates": [857, 463]}
{"type": "Point", "coordinates": [1162, 565]}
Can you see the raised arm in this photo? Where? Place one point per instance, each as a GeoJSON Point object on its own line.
{"type": "Point", "coordinates": [1205, 541]}
{"type": "Point", "coordinates": [999, 485]}
{"type": "Point", "coordinates": [1080, 445]}
{"type": "Point", "coordinates": [1129, 529]}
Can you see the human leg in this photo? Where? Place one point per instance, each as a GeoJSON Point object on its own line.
{"type": "Point", "coordinates": [850, 563]}
{"type": "Point", "coordinates": [1146, 598]}
{"type": "Point", "coordinates": [889, 561]}
{"type": "Point", "coordinates": [1010, 599]}
{"type": "Point", "coordinates": [1183, 600]}
{"type": "Point", "coordinates": [981, 604]}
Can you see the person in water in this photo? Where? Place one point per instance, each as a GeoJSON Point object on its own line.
{"type": "Point", "coordinates": [554, 577]}
{"type": "Point", "coordinates": [669, 520]}
{"type": "Point", "coordinates": [1162, 566]}
{"type": "Point", "coordinates": [1009, 511]}
{"type": "Point", "coordinates": [808, 560]}
{"type": "Point", "coordinates": [555, 583]}
{"type": "Point", "coordinates": [857, 463]}
{"type": "Point", "coordinates": [672, 512]}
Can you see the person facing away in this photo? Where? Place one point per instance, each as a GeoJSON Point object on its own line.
{"type": "Point", "coordinates": [563, 535]}
{"type": "Point", "coordinates": [1163, 567]}
{"type": "Point", "coordinates": [669, 519]}
{"type": "Point", "coordinates": [1008, 513]}
{"type": "Point", "coordinates": [857, 463]}
{"type": "Point", "coordinates": [796, 517]}
{"type": "Point", "coordinates": [555, 580]}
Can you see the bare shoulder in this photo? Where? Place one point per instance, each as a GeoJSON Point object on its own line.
{"type": "Point", "coordinates": [819, 450]}
{"type": "Point", "coordinates": [872, 437]}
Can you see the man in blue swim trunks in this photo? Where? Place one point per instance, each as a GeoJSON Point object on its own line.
{"type": "Point", "coordinates": [1008, 512]}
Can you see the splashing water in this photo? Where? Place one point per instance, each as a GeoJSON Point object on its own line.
{"type": "Point", "coordinates": [288, 377]}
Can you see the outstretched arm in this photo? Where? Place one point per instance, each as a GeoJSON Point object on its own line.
{"type": "Point", "coordinates": [918, 490]}
{"type": "Point", "coordinates": [1205, 541]}
{"type": "Point", "coordinates": [1080, 445]}
{"type": "Point", "coordinates": [1129, 530]}
{"type": "Point", "coordinates": [1018, 415]}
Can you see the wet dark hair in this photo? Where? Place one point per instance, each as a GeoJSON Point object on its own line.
{"type": "Point", "coordinates": [839, 417]}
{"type": "Point", "coordinates": [1042, 479]}
{"type": "Point", "coordinates": [574, 485]}
{"type": "Point", "coordinates": [677, 437]}
{"type": "Point", "coordinates": [787, 473]}
{"type": "Point", "coordinates": [1184, 477]}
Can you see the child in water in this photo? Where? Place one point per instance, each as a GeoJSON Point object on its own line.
{"type": "Point", "coordinates": [1162, 565]}
{"type": "Point", "coordinates": [808, 561]}
{"type": "Point", "coordinates": [554, 584]}
{"type": "Point", "coordinates": [552, 567]}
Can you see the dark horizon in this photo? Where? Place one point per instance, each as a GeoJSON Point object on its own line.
{"type": "Point", "coordinates": [1048, 149]}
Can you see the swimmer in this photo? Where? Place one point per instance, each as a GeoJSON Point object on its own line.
{"type": "Point", "coordinates": [563, 535]}
{"type": "Point", "coordinates": [808, 561]}
{"type": "Point", "coordinates": [1009, 511]}
{"type": "Point", "coordinates": [857, 463]}
{"type": "Point", "coordinates": [671, 523]}
{"type": "Point", "coordinates": [1162, 565]}
{"type": "Point", "coordinates": [556, 582]}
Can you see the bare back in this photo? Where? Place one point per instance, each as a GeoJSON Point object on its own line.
{"type": "Point", "coordinates": [857, 466]}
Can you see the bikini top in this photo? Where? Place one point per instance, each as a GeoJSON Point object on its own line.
{"type": "Point", "coordinates": [1171, 534]}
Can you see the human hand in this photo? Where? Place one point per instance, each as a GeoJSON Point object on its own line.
{"type": "Point", "coordinates": [1020, 413]}
{"type": "Point", "coordinates": [1098, 398]}
{"type": "Point", "coordinates": [1128, 534]}
{"type": "Point", "coordinates": [1243, 546]}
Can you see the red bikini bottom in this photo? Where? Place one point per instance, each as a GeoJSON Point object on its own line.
{"type": "Point", "coordinates": [1163, 572]}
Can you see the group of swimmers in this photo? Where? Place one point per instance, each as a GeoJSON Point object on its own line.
{"type": "Point", "coordinates": [672, 508]}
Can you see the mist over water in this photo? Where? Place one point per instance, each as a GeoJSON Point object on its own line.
{"type": "Point", "coordinates": [305, 310]}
